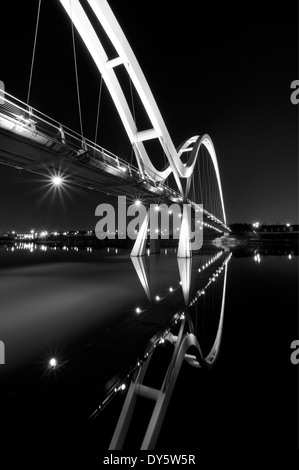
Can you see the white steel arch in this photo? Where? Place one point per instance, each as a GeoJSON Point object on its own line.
{"type": "Point", "coordinates": [158, 130]}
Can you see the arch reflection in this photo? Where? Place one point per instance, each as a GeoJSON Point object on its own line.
{"type": "Point", "coordinates": [183, 337]}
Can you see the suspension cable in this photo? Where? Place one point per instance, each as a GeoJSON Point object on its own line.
{"type": "Point", "coordinates": [33, 53]}
{"type": "Point", "coordinates": [134, 114]}
{"type": "Point", "coordinates": [76, 71]}
{"type": "Point", "coordinates": [98, 111]}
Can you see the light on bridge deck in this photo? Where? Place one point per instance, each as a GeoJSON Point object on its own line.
{"type": "Point", "coordinates": [57, 180]}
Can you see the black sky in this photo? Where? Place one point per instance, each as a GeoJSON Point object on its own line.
{"type": "Point", "coordinates": [222, 69]}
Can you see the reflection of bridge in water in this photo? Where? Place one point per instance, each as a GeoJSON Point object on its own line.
{"type": "Point", "coordinates": [165, 312]}
{"type": "Point", "coordinates": [206, 282]}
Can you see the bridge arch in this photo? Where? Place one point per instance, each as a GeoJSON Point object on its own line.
{"type": "Point", "coordinates": [137, 137]}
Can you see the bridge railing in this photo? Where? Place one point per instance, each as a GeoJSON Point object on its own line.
{"type": "Point", "coordinates": [26, 116]}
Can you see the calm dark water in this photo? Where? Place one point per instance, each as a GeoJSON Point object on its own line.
{"type": "Point", "coordinates": [79, 306]}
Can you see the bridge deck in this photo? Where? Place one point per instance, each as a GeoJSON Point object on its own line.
{"type": "Point", "coordinates": [36, 143]}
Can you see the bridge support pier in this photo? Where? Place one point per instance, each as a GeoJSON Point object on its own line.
{"type": "Point", "coordinates": [184, 250]}
{"type": "Point", "coordinates": [139, 248]}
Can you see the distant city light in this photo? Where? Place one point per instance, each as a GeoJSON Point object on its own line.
{"type": "Point", "coordinates": [288, 225]}
{"type": "Point", "coordinates": [290, 256]}
{"type": "Point", "coordinates": [137, 202]}
{"type": "Point", "coordinates": [157, 298]}
{"type": "Point", "coordinates": [256, 224]}
{"type": "Point", "coordinates": [138, 310]}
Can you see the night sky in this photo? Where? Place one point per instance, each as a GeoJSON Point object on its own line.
{"type": "Point", "coordinates": [222, 69]}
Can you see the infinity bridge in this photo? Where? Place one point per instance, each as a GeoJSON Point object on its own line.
{"type": "Point", "coordinates": [34, 142]}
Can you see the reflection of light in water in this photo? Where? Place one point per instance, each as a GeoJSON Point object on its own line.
{"type": "Point", "coordinates": [185, 274]}
{"type": "Point", "coordinates": [185, 266]}
{"type": "Point", "coordinates": [257, 258]}
{"type": "Point", "coordinates": [26, 246]}
{"type": "Point", "coordinates": [121, 387]}
{"type": "Point", "coordinates": [53, 363]}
